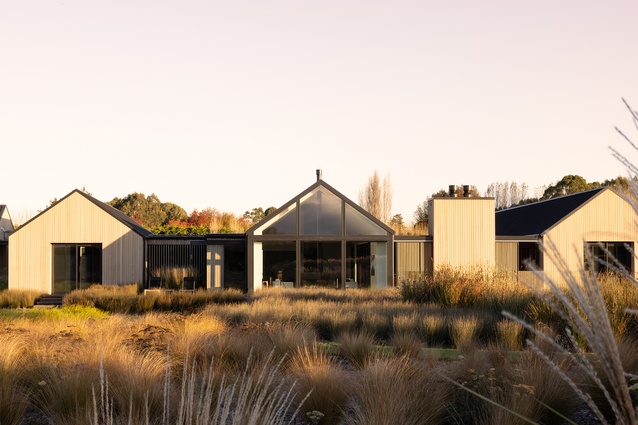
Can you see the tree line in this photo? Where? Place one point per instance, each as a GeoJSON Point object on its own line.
{"type": "Point", "coordinates": [375, 197]}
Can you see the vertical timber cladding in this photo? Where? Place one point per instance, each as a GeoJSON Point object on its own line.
{"type": "Point", "coordinates": [507, 260]}
{"type": "Point", "coordinates": [463, 232]}
{"type": "Point", "coordinates": [413, 258]}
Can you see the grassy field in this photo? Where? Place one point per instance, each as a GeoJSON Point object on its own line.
{"type": "Point", "coordinates": [302, 356]}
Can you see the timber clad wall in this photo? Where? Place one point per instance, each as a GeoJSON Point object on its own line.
{"type": "Point", "coordinates": [413, 259]}
{"type": "Point", "coordinates": [507, 257]}
{"type": "Point", "coordinates": [463, 232]}
{"type": "Point", "coordinates": [605, 218]}
{"type": "Point", "coordinates": [75, 219]}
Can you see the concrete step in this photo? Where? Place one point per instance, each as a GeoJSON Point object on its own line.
{"type": "Point", "coordinates": [54, 300]}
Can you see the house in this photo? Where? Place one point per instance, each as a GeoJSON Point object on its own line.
{"type": "Point", "coordinates": [598, 221]}
{"type": "Point", "coordinates": [74, 243]}
{"type": "Point", "coordinates": [318, 238]}
{"type": "Point", "coordinates": [6, 228]}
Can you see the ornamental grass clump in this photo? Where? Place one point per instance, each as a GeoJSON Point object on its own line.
{"type": "Point", "coordinates": [464, 331]}
{"type": "Point", "coordinates": [14, 397]}
{"type": "Point", "coordinates": [329, 387]}
{"type": "Point", "coordinates": [358, 347]}
{"type": "Point", "coordinates": [11, 298]}
{"type": "Point", "coordinates": [398, 390]}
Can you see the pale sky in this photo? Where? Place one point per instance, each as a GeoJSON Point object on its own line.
{"type": "Point", "coordinates": [235, 104]}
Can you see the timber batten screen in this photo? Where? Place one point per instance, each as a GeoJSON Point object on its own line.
{"type": "Point", "coordinates": [181, 259]}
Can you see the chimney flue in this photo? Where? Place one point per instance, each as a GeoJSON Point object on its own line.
{"type": "Point", "coordinates": [318, 174]}
{"type": "Point", "coordinates": [452, 191]}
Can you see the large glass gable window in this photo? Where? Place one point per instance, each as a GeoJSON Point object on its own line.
{"type": "Point", "coordinates": [321, 239]}
{"type": "Point", "coordinates": [284, 224]}
{"type": "Point", "coordinates": [320, 214]}
{"type": "Point", "coordinates": [359, 225]}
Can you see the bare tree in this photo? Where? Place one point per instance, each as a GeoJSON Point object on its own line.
{"type": "Point", "coordinates": [386, 200]}
{"type": "Point", "coordinates": [376, 197]}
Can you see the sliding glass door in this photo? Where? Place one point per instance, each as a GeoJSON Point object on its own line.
{"type": "Point", "coordinates": [76, 266]}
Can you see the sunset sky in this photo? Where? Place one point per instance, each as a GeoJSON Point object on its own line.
{"type": "Point", "coordinates": [234, 105]}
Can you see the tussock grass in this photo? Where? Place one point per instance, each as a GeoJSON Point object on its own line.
{"type": "Point", "coordinates": [357, 347]}
{"type": "Point", "coordinates": [464, 332]}
{"type": "Point", "coordinates": [12, 298]}
{"type": "Point", "coordinates": [125, 299]}
{"type": "Point", "coordinates": [330, 388]}
{"type": "Point", "coordinates": [13, 398]}
{"type": "Point", "coordinates": [510, 334]}
{"type": "Point", "coordinates": [398, 391]}
{"type": "Point", "coordinates": [407, 344]}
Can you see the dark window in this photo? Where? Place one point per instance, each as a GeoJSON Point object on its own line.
{"type": "Point", "coordinates": [529, 254]}
{"type": "Point", "coordinates": [321, 263]}
{"type": "Point", "coordinates": [604, 257]}
{"type": "Point", "coordinates": [280, 261]}
{"type": "Point", "coordinates": [76, 266]}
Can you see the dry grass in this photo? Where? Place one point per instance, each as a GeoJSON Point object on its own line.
{"type": "Point", "coordinates": [222, 339]}
{"type": "Point", "coordinates": [464, 331]}
{"type": "Point", "coordinates": [398, 391]}
{"type": "Point", "coordinates": [330, 388]}
{"type": "Point", "coordinates": [357, 347]}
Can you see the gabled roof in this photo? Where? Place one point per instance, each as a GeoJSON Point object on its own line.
{"type": "Point", "coordinates": [537, 218]}
{"type": "Point", "coordinates": [318, 183]}
{"type": "Point", "coordinates": [115, 213]}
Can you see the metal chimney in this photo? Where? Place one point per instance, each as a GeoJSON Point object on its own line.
{"type": "Point", "coordinates": [466, 190]}
{"type": "Point", "coordinates": [452, 191]}
{"type": "Point", "coordinates": [318, 174]}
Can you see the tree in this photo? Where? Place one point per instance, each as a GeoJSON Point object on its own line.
{"type": "Point", "coordinates": [421, 218]}
{"type": "Point", "coordinates": [386, 200]}
{"type": "Point", "coordinates": [567, 185]}
{"type": "Point", "coordinates": [376, 197]}
{"type": "Point", "coordinates": [255, 215]}
{"type": "Point", "coordinates": [507, 194]}
{"type": "Point", "coordinates": [397, 223]}
{"type": "Point", "coordinates": [149, 211]}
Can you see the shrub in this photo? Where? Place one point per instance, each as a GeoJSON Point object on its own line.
{"type": "Point", "coordinates": [12, 298]}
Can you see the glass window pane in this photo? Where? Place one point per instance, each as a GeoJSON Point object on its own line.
{"type": "Point", "coordinates": [279, 263]}
{"type": "Point", "coordinates": [64, 268]}
{"type": "Point", "coordinates": [284, 224]}
{"type": "Point", "coordinates": [358, 265]}
{"type": "Point", "coordinates": [359, 225]}
{"type": "Point", "coordinates": [320, 214]}
{"type": "Point", "coordinates": [321, 263]}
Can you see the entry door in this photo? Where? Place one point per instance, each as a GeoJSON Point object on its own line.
{"type": "Point", "coordinates": [76, 266]}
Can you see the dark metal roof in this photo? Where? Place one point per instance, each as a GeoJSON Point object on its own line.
{"type": "Point", "coordinates": [537, 218]}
